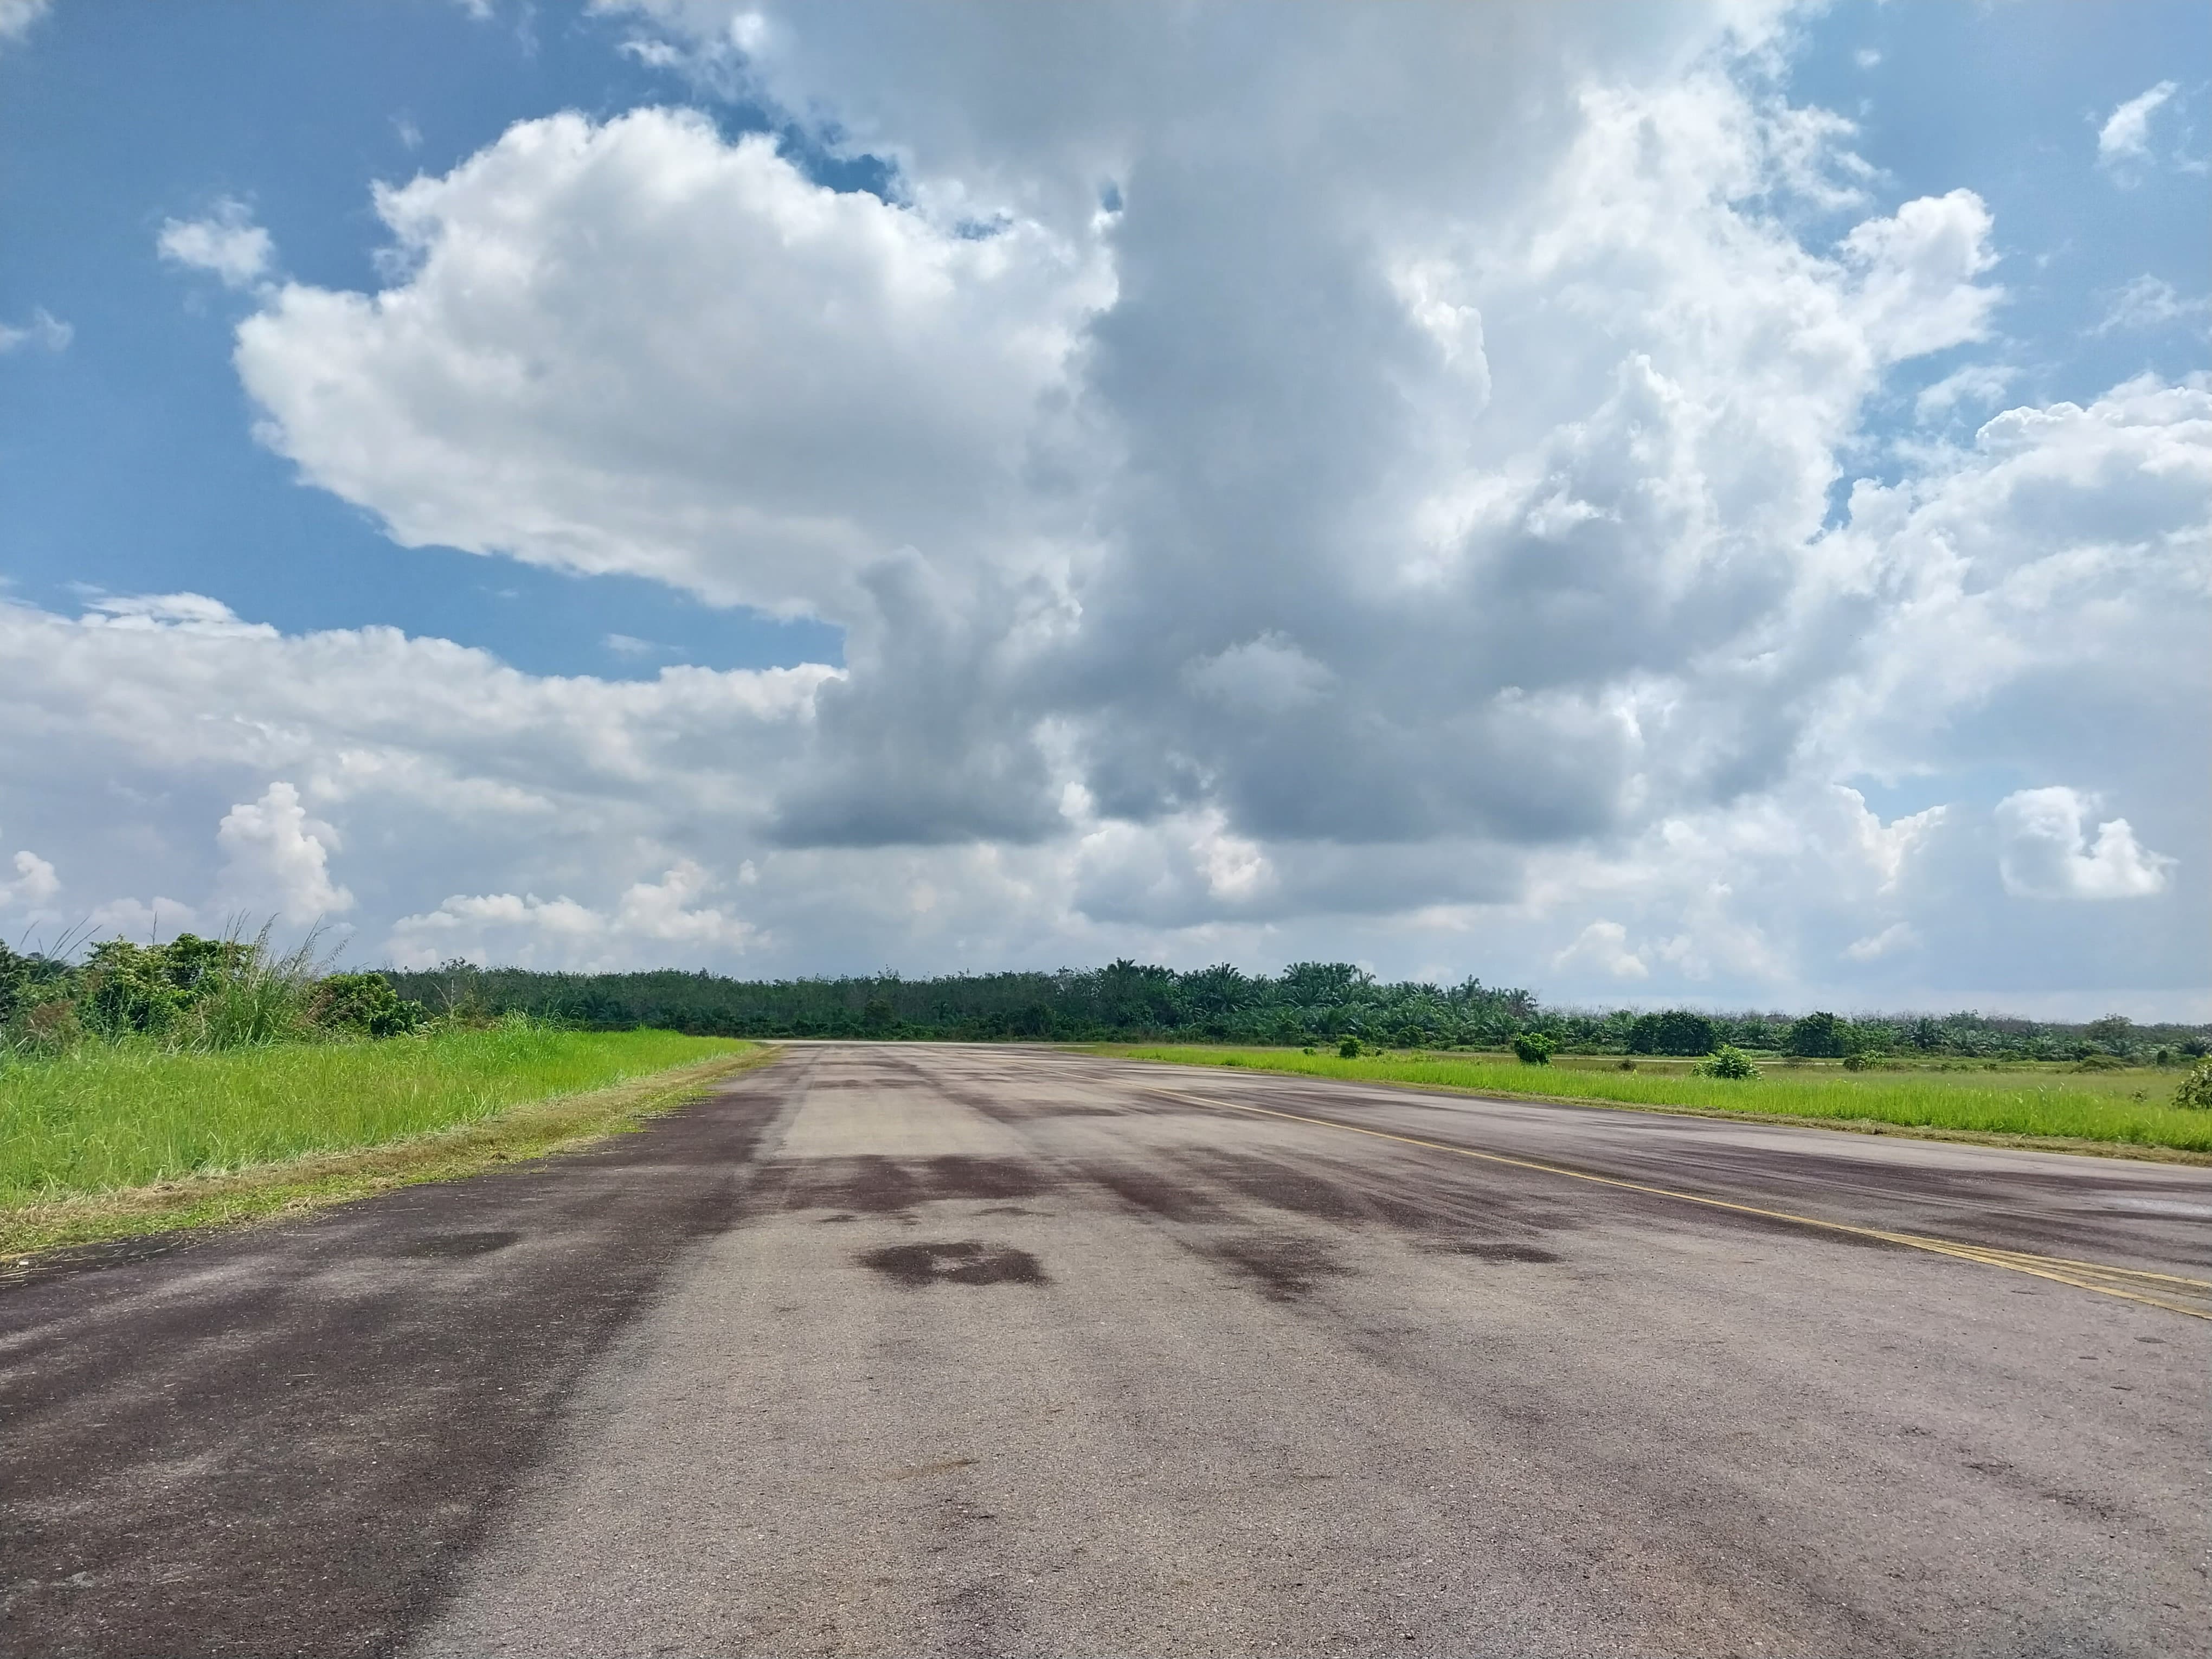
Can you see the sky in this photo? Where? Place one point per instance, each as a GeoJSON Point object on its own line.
{"type": "Point", "coordinates": [1689, 503]}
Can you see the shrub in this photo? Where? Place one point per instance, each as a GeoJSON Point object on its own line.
{"type": "Point", "coordinates": [2195, 1093]}
{"type": "Point", "coordinates": [1676, 1032]}
{"type": "Point", "coordinates": [1627, 1064]}
{"type": "Point", "coordinates": [365, 1005]}
{"type": "Point", "coordinates": [1856, 1061]}
{"type": "Point", "coordinates": [1730, 1062]}
{"type": "Point", "coordinates": [1349, 1048]}
{"type": "Point", "coordinates": [1532, 1047]}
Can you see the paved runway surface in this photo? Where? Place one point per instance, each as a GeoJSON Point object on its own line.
{"type": "Point", "coordinates": [961, 1350]}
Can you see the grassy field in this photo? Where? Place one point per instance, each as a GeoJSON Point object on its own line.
{"type": "Point", "coordinates": [112, 1142]}
{"type": "Point", "coordinates": [2118, 1108]}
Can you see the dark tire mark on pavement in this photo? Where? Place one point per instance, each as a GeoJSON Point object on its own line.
{"type": "Point", "coordinates": [281, 1441]}
{"type": "Point", "coordinates": [1287, 1269]}
{"type": "Point", "coordinates": [872, 1185]}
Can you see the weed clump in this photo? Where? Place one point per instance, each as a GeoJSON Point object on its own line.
{"type": "Point", "coordinates": [1532, 1047]}
{"type": "Point", "coordinates": [1728, 1061]}
{"type": "Point", "coordinates": [191, 995]}
{"type": "Point", "coordinates": [2195, 1094]}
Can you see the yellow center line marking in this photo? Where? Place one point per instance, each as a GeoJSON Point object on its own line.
{"type": "Point", "coordinates": [2081, 1275]}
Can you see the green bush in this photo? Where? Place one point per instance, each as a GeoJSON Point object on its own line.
{"type": "Point", "coordinates": [1532, 1047]}
{"type": "Point", "coordinates": [2195, 1093]}
{"type": "Point", "coordinates": [1856, 1061]}
{"type": "Point", "coordinates": [191, 994]}
{"type": "Point", "coordinates": [1348, 1049]}
{"type": "Point", "coordinates": [1729, 1061]}
{"type": "Point", "coordinates": [364, 1004]}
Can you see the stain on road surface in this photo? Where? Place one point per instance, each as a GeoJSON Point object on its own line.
{"type": "Point", "coordinates": [966, 1261]}
{"type": "Point", "coordinates": [1287, 1269]}
{"type": "Point", "coordinates": [873, 1185]}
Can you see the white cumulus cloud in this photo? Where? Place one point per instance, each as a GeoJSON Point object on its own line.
{"type": "Point", "coordinates": [34, 882]}
{"type": "Point", "coordinates": [2125, 136]}
{"type": "Point", "coordinates": [639, 347]}
{"type": "Point", "coordinates": [651, 925]}
{"type": "Point", "coordinates": [277, 858]}
{"type": "Point", "coordinates": [226, 243]}
{"type": "Point", "coordinates": [2046, 851]}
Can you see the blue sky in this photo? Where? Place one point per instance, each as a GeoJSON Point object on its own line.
{"type": "Point", "coordinates": [1032, 574]}
{"type": "Point", "coordinates": [113, 119]}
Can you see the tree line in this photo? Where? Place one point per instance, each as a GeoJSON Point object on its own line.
{"type": "Point", "coordinates": [1308, 1003]}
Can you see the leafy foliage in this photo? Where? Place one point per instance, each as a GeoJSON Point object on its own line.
{"type": "Point", "coordinates": [364, 1003]}
{"type": "Point", "coordinates": [2195, 1093]}
{"type": "Point", "coordinates": [1315, 1003]}
{"type": "Point", "coordinates": [1677, 1031]}
{"type": "Point", "coordinates": [1532, 1047]}
{"type": "Point", "coordinates": [1728, 1061]}
{"type": "Point", "coordinates": [1817, 1037]}
{"type": "Point", "coordinates": [191, 994]}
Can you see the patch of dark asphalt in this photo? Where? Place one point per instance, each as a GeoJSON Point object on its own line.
{"type": "Point", "coordinates": [73, 1259]}
{"type": "Point", "coordinates": [1450, 1201]}
{"type": "Point", "coordinates": [1286, 1268]}
{"type": "Point", "coordinates": [1145, 1189]}
{"type": "Point", "coordinates": [874, 1185]}
{"type": "Point", "coordinates": [963, 1261]}
{"type": "Point", "coordinates": [435, 1246]}
{"type": "Point", "coordinates": [1000, 1099]}
{"type": "Point", "coordinates": [1012, 1112]}
{"type": "Point", "coordinates": [279, 1442]}
{"type": "Point", "coordinates": [1486, 1250]}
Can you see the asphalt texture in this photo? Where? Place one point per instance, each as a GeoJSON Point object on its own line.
{"type": "Point", "coordinates": [905, 1349]}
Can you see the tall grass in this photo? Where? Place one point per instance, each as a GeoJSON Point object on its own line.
{"type": "Point", "coordinates": [107, 1118]}
{"type": "Point", "coordinates": [2041, 1101]}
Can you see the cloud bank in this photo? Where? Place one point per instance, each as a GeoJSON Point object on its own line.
{"type": "Point", "coordinates": [1294, 482]}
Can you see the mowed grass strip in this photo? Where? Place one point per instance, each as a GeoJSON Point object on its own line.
{"type": "Point", "coordinates": [2087, 1110]}
{"type": "Point", "coordinates": [112, 1143]}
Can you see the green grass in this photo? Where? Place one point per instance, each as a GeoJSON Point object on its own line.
{"type": "Point", "coordinates": [2052, 1102]}
{"type": "Point", "coordinates": [114, 1141]}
